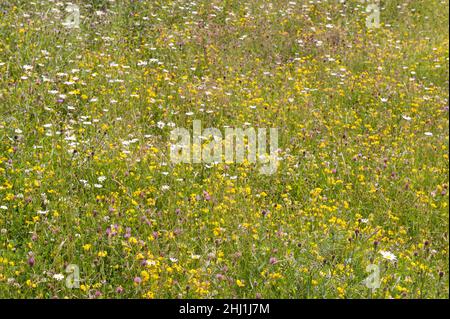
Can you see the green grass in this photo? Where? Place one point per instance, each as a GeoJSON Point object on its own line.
{"type": "Point", "coordinates": [356, 176]}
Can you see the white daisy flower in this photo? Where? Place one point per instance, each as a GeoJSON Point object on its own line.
{"type": "Point", "coordinates": [407, 118]}
{"type": "Point", "coordinates": [388, 255]}
{"type": "Point", "coordinates": [101, 179]}
{"type": "Point", "coordinates": [160, 124]}
{"type": "Point", "coordinates": [58, 277]}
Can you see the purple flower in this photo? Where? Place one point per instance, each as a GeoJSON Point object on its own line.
{"type": "Point", "coordinates": [31, 261]}
{"type": "Point", "coordinates": [220, 277]}
{"type": "Point", "coordinates": [206, 196]}
{"type": "Point", "coordinates": [127, 232]}
{"type": "Point", "coordinates": [119, 289]}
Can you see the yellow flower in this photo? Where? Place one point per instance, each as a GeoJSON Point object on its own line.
{"type": "Point", "coordinates": [30, 284]}
{"type": "Point", "coordinates": [84, 287]}
{"type": "Point", "coordinates": [149, 295]}
{"type": "Point", "coordinates": [145, 276]}
{"type": "Point", "coordinates": [240, 283]}
{"type": "Point", "coordinates": [341, 291]}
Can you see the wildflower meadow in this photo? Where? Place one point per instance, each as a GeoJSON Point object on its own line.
{"type": "Point", "coordinates": [224, 149]}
